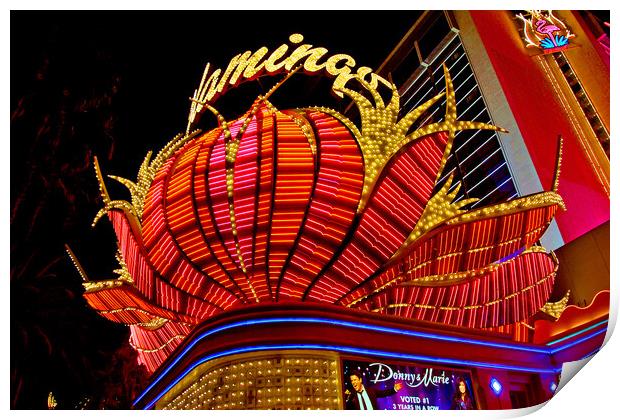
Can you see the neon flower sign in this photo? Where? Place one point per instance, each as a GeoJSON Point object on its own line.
{"type": "Point", "coordinates": [304, 205]}
{"type": "Point", "coordinates": [544, 30]}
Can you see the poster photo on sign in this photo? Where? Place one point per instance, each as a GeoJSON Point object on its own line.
{"type": "Point", "coordinates": [373, 385]}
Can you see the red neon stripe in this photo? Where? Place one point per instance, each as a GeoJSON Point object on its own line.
{"type": "Point", "coordinates": [264, 205]}
{"type": "Point", "coordinates": [391, 214]}
{"type": "Point", "coordinates": [523, 272]}
{"type": "Point", "coordinates": [333, 204]}
{"type": "Point", "coordinates": [447, 249]}
{"type": "Point", "coordinates": [293, 185]}
{"type": "Point", "coordinates": [217, 263]}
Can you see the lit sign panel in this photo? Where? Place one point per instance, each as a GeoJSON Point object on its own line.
{"type": "Point", "coordinates": [397, 386]}
{"type": "Point", "coordinates": [542, 29]}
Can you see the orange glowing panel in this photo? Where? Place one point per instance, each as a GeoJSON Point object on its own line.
{"type": "Point", "coordinates": [293, 184]}
{"type": "Point", "coordinates": [514, 291]}
{"type": "Point", "coordinates": [155, 345]}
{"type": "Point", "coordinates": [391, 214]}
{"type": "Point", "coordinates": [462, 247]}
{"type": "Point", "coordinates": [333, 205]}
{"type": "Point", "coordinates": [125, 304]}
{"type": "Point", "coordinates": [264, 205]}
{"type": "Point", "coordinates": [133, 253]}
{"type": "Point", "coordinates": [217, 262]}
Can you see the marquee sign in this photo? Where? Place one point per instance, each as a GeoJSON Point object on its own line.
{"type": "Point", "coordinates": [305, 205]}
{"type": "Point", "coordinates": [251, 65]}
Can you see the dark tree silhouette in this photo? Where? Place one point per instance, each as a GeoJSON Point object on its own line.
{"type": "Point", "coordinates": [60, 118]}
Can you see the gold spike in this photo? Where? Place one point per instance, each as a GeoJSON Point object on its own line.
{"type": "Point", "coordinates": [102, 189]}
{"type": "Point", "coordinates": [232, 147]}
{"type": "Point", "coordinates": [123, 271]}
{"type": "Point", "coordinates": [102, 212]}
{"type": "Point", "coordinates": [526, 325]}
{"type": "Point", "coordinates": [197, 101]}
{"type": "Point", "coordinates": [360, 100]}
{"type": "Point", "coordinates": [281, 82]}
{"type": "Point", "coordinates": [438, 210]}
{"type": "Point", "coordinates": [535, 248]}
{"type": "Point", "coordinates": [305, 127]}
{"type": "Point", "coordinates": [450, 115]}
{"type": "Point", "coordinates": [77, 264]}
{"type": "Point", "coordinates": [145, 165]}
{"type": "Point", "coordinates": [154, 324]}
{"type": "Point", "coordinates": [442, 279]}
{"type": "Point", "coordinates": [379, 104]}
{"type": "Point", "coordinates": [407, 121]}
{"type": "Point", "coordinates": [542, 199]}
{"type": "Point", "coordinates": [555, 309]}
{"type": "Point", "coordinates": [115, 204]}
{"type": "Point", "coordinates": [381, 135]}
{"type": "Point", "coordinates": [131, 186]}
{"type": "Point", "coordinates": [470, 307]}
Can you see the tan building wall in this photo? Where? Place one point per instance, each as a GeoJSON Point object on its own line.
{"type": "Point", "coordinates": [584, 267]}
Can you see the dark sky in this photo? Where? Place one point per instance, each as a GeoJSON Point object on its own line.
{"type": "Point", "coordinates": [115, 85]}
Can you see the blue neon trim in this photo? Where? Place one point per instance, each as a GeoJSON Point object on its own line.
{"type": "Point", "coordinates": [381, 329]}
{"type": "Point", "coordinates": [591, 327]}
{"type": "Point", "coordinates": [581, 340]}
{"type": "Point", "coordinates": [335, 322]}
{"type": "Point", "coordinates": [344, 350]}
{"type": "Point", "coordinates": [592, 353]}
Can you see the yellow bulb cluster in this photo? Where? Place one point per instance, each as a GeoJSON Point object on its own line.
{"type": "Point", "coordinates": [153, 324]}
{"type": "Point", "coordinates": [555, 309]}
{"type": "Point", "coordinates": [267, 381]}
{"type": "Point", "coordinates": [179, 337]}
{"type": "Point", "coordinates": [123, 272]}
{"type": "Point", "coordinates": [544, 199]}
{"type": "Point", "coordinates": [440, 207]}
{"type": "Point", "coordinates": [95, 286]}
{"type": "Point", "coordinates": [382, 135]}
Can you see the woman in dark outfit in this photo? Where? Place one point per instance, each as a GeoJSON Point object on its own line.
{"type": "Point", "coordinates": [461, 399]}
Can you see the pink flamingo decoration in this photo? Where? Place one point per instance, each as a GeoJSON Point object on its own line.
{"type": "Point", "coordinates": [543, 27]}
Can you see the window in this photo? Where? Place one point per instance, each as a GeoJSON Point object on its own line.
{"type": "Point", "coordinates": [476, 160]}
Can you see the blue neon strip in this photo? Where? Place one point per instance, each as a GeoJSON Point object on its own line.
{"type": "Point", "coordinates": [591, 354]}
{"type": "Point", "coordinates": [581, 340]}
{"type": "Point", "coordinates": [340, 323]}
{"type": "Point", "coordinates": [591, 327]}
{"type": "Point", "coordinates": [351, 350]}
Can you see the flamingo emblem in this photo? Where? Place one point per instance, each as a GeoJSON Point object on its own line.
{"type": "Point", "coordinates": [543, 27]}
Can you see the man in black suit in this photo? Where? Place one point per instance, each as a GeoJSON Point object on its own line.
{"type": "Point", "coordinates": [366, 398]}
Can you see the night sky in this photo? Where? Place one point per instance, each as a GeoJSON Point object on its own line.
{"type": "Point", "coordinates": [116, 85]}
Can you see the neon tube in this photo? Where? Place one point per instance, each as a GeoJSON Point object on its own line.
{"type": "Point", "coordinates": [340, 323]}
